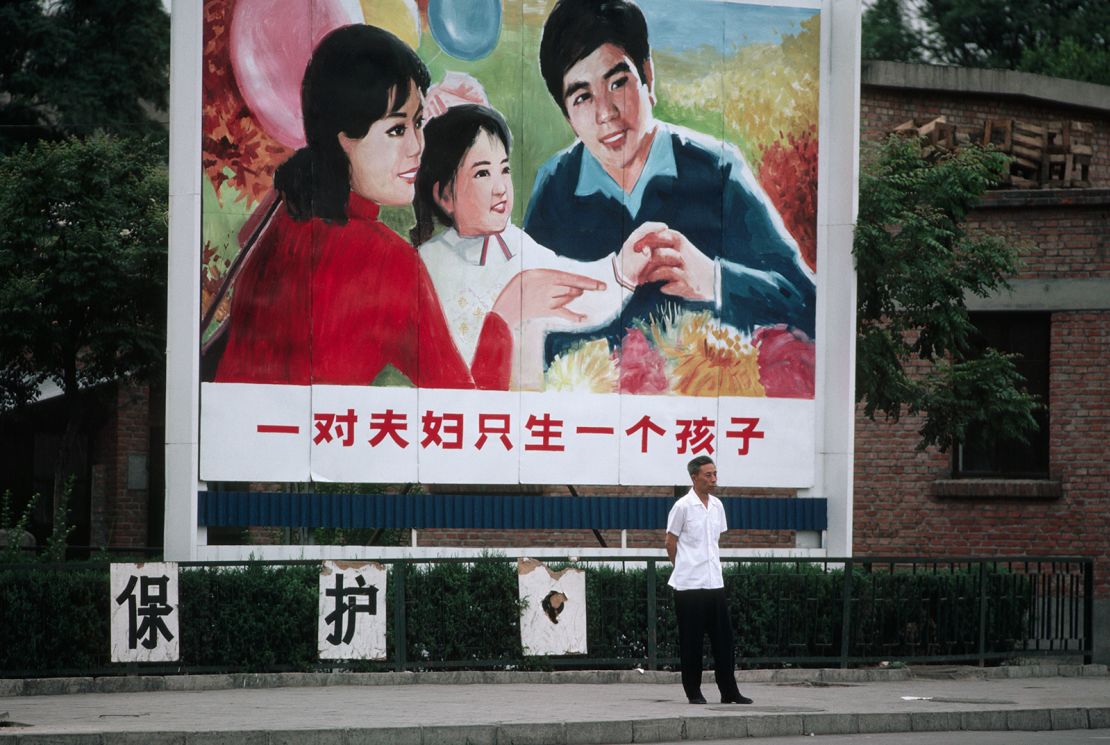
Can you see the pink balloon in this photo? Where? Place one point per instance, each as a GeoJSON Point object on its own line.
{"type": "Point", "coordinates": [271, 43]}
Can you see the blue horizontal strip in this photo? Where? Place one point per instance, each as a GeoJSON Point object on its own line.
{"type": "Point", "coordinates": [497, 511]}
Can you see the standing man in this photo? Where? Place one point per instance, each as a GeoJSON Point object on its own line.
{"type": "Point", "coordinates": [694, 526]}
{"type": "Point", "coordinates": [720, 246]}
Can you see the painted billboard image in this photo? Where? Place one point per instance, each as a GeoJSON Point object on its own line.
{"type": "Point", "coordinates": [509, 241]}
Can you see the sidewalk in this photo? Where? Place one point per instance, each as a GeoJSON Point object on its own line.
{"type": "Point", "coordinates": [521, 708]}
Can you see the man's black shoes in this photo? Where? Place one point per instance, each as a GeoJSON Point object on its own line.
{"type": "Point", "coordinates": [697, 699]}
{"type": "Point", "coordinates": [739, 699]}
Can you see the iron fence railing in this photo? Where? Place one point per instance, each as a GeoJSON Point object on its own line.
{"type": "Point", "coordinates": [464, 613]}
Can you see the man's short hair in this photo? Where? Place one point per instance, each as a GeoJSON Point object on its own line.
{"type": "Point", "coordinates": [695, 465]}
{"type": "Point", "coordinates": [576, 28]}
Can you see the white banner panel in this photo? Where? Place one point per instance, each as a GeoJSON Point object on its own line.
{"type": "Point", "coordinates": [385, 434]}
{"type": "Point", "coordinates": [766, 442]}
{"type": "Point", "coordinates": [659, 434]}
{"type": "Point", "coordinates": [553, 619]}
{"type": "Point", "coordinates": [253, 432]}
{"type": "Point", "coordinates": [469, 437]}
{"type": "Point", "coordinates": [569, 437]}
{"type": "Point", "coordinates": [364, 433]}
{"type": "Point", "coordinates": [144, 617]}
{"type": "Point", "coordinates": [352, 611]}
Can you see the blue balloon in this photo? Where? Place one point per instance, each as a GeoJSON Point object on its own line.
{"type": "Point", "coordinates": [465, 29]}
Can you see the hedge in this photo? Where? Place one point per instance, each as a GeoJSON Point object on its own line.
{"type": "Point", "coordinates": [263, 618]}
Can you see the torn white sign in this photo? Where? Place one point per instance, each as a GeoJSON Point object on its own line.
{"type": "Point", "coordinates": [144, 617]}
{"type": "Point", "coordinates": [352, 611]}
{"type": "Point", "coordinates": [553, 619]}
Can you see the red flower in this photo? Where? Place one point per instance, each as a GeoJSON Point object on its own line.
{"type": "Point", "coordinates": [642, 367]}
{"type": "Point", "coordinates": [786, 362]}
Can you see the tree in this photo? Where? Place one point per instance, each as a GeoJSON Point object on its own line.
{"type": "Point", "coordinates": [1068, 58]}
{"type": "Point", "coordinates": [914, 263]}
{"type": "Point", "coordinates": [1051, 37]}
{"type": "Point", "coordinates": [82, 271]}
{"type": "Point", "coordinates": [76, 66]}
{"type": "Point", "coordinates": [887, 35]}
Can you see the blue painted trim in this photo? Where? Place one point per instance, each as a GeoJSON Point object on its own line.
{"type": "Point", "coordinates": [497, 511]}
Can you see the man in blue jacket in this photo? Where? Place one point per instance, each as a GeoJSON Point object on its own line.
{"type": "Point", "coordinates": [719, 243]}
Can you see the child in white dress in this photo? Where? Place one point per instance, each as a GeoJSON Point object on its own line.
{"type": "Point", "coordinates": [465, 183]}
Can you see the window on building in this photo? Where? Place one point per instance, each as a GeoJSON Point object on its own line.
{"type": "Point", "coordinates": [1027, 335]}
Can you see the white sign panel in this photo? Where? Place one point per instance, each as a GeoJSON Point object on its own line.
{"type": "Point", "coordinates": [553, 619]}
{"type": "Point", "coordinates": [352, 611]}
{"type": "Point", "coordinates": [144, 617]}
{"type": "Point", "coordinates": [381, 434]}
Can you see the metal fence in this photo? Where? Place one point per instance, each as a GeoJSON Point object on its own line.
{"type": "Point", "coordinates": [464, 613]}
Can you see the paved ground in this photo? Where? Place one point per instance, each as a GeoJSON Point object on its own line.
{"type": "Point", "coordinates": [539, 708]}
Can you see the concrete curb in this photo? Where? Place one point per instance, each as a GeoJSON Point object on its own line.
{"type": "Point", "coordinates": [611, 732]}
{"type": "Point", "coordinates": [144, 683]}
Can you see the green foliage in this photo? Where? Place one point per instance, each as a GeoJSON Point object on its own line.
{"type": "Point", "coordinates": [54, 619]}
{"type": "Point", "coordinates": [59, 533]}
{"type": "Point", "coordinates": [1069, 58]}
{"type": "Point", "coordinates": [1020, 34]}
{"type": "Point", "coordinates": [82, 264]}
{"type": "Point", "coordinates": [616, 618]}
{"type": "Point", "coordinates": [74, 66]}
{"type": "Point", "coordinates": [249, 619]}
{"type": "Point", "coordinates": [466, 612]}
{"type": "Point", "coordinates": [12, 550]}
{"type": "Point", "coordinates": [915, 261]}
{"type": "Point", "coordinates": [886, 34]}
{"type": "Point", "coordinates": [260, 618]}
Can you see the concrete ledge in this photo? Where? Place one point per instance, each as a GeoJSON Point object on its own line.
{"type": "Point", "coordinates": [776, 726]}
{"type": "Point", "coordinates": [594, 733]}
{"type": "Point", "coordinates": [607, 732]}
{"type": "Point", "coordinates": [139, 683]}
{"type": "Point", "coordinates": [476, 734]}
{"type": "Point", "coordinates": [1069, 719]}
{"type": "Point", "coordinates": [715, 728]}
{"type": "Point", "coordinates": [878, 723]}
{"type": "Point", "coordinates": [553, 733]}
{"type": "Point", "coordinates": [940, 721]}
{"type": "Point", "coordinates": [658, 730]}
{"type": "Point", "coordinates": [384, 736]}
{"type": "Point", "coordinates": [1003, 83]}
{"type": "Point", "coordinates": [831, 724]}
{"type": "Point", "coordinates": [1029, 720]}
{"type": "Point", "coordinates": [1098, 718]}
{"type": "Point", "coordinates": [315, 736]}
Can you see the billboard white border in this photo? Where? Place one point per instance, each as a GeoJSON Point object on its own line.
{"type": "Point", "coordinates": [836, 298]}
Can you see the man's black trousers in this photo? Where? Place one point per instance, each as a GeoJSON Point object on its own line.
{"type": "Point", "coordinates": [702, 612]}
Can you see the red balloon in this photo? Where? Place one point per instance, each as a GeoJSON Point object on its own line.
{"type": "Point", "coordinates": [271, 43]}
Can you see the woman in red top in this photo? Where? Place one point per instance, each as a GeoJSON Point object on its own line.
{"type": "Point", "coordinates": [330, 295]}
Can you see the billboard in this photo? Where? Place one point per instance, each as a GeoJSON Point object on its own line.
{"type": "Point", "coordinates": [509, 241]}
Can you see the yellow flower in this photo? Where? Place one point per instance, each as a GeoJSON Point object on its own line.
{"type": "Point", "coordinates": [588, 368]}
{"type": "Point", "coordinates": [709, 358]}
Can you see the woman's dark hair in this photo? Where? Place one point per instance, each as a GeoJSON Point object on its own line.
{"type": "Point", "coordinates": [576, 28]}
{"type": "Point", "coordinates": [347, 86]}
{"type": "Point", "coordinates": [447, 137]}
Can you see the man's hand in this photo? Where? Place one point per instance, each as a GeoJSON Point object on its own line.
{"type": "Point", "coordinates": [672, 546]}
{"type": "Point", "coordinates": [540, 293]}
{"type": "Point", "coordinates": [685, 271]}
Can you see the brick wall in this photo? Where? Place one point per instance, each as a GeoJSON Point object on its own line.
{"type": "Point", "coordinates": [882, 109]}
{"type": "Point", "coordinates": [898, 505]}
{"type": "Point", "coordinates": [119, 515]}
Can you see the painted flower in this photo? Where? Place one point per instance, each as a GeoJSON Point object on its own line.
{"type": "Point", "coordinates": [587, 368]}
{"type": "Point", "coordinates": [709, 358]}
{"type": "Point", "coordinates": [786, 362]}
{"type": "Point", "coordinates": [642, 367]}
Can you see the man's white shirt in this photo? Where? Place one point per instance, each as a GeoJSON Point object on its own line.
{"type": "Point", "coordinates": [697, 565]}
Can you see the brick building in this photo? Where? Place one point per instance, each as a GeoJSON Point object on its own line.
{"type": "Point", "coordinates": [1052, 498]}
{"type": "Point", "coordinates": [1049, 498]}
